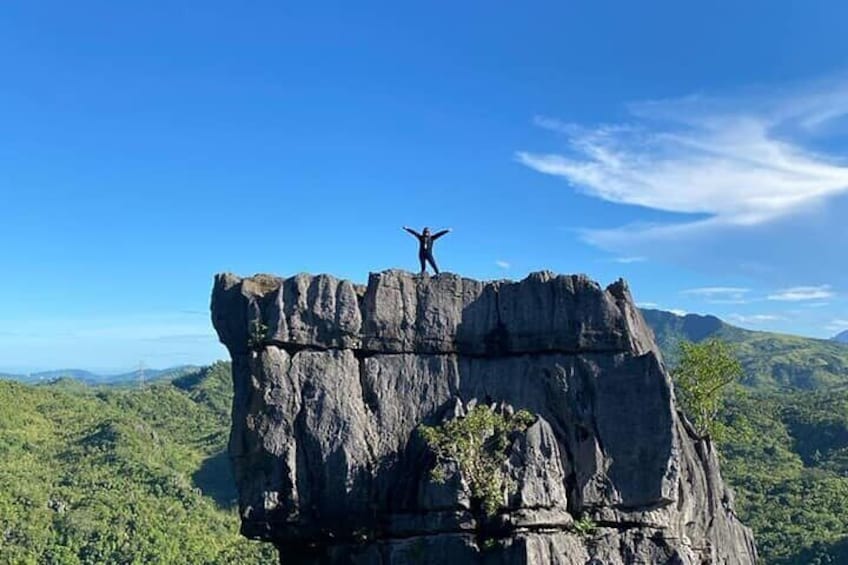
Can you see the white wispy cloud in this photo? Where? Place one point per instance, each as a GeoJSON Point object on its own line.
{"type": "Point", "coordinates": [720, 294]}
{"type": "Point", "coordinates": [800, 293]}
{"type": "Point", "coordinates": [739, 161]}
{"type": "Point", "coordinates": [658, 306]}
{"type": "Point", "coordinates": [754, 318]}
{"type": "Point", "coordinates": [837, 325]}
{"type": "Point", "coordinates": [628, 260]}
{"type": "Point", "coordinates": [716, 291]}
{"type": "Point", "coordinates": [502, 264]}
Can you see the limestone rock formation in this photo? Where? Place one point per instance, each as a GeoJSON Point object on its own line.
{"type": "Point", "coordinates": [332, 381]}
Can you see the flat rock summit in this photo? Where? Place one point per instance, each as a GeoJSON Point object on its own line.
{"type": "Point", "coordinates": [333, 380]}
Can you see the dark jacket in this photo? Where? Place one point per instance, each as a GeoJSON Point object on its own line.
{"type": "Point", "coordinates": [425, 241]}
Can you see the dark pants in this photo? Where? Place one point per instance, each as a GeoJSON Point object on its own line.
{"type": "Point", "coordinates": [427, 258]}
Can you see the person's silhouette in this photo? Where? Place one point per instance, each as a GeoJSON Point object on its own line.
{"type": "Point", "coordinates": [425, 247]}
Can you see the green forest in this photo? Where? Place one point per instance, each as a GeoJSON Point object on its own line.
{"type": "Point", "coordinates": [128, 475]}
{"type": "Point", "coordinates": [108, 475]}
{"type": "Point", "coordinates": [786, 457]}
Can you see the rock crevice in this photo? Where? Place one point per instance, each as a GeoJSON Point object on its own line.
{"type": "Point", "coordinates": [332, 380]}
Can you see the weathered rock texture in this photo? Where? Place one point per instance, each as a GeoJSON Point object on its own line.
{"type": "Point", "coordinates": [332, 379]}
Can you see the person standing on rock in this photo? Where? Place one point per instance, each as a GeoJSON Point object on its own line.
{"type": "Point", "coordinates": [425, 247]}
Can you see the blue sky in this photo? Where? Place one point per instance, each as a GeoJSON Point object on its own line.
{"type": "Point", "coordinates": [697, 150]}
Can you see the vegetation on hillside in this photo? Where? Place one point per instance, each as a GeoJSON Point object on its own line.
{"type": "Point", "coordinates": [104, 475]}
{"type": "Point", "coordinates": [770, 361]}
{"type": "Point", "coordinates": [785, 454]}
{"type": "Point", "coordinates": [129, 379]}
{"type": "Point", "coordinates": [95, 475]}
{"type": "Point", "coordinates": [786, 457]}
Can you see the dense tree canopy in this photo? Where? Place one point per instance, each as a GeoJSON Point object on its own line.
{"type": "Point", "coordinates": [786, 457]}
{"type": "Point", "coordinates": [119, 476]}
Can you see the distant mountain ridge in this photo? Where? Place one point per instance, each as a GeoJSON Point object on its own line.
{"type": "Point", "coordinates": [670, 328]}
{"type": "Point", "coordinates": [770, 360]}
{"type": "Point", "coordinates": [91, 378]}
{"type": "Point", "coordinates": [841, 337]}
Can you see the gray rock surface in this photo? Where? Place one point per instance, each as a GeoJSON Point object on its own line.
{"type": "Point", "coordinates": [331, 381]}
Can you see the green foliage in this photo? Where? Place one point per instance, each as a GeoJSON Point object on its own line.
{"type": "Point", "coordinates": [477, 444]}
{"type": "Point", "coordinates": [96, 475]}
{"type": "Point", "coordinates": [585, 526]}
{"type": "Point", "coordinates": [784, 456]}
{"type": "Point", "coordinates": [489, 544]}
{"type": "Point", "coordinates": [257, 334]}
{"type": "Point", "coordinates": [703, 372]}
{"type": "Point", "coordinates": [784, 452]}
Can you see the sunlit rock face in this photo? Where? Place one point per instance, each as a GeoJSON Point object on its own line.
{"type": "Point", "coordinates": [332, 381]}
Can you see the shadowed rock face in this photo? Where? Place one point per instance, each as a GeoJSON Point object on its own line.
{"type": "Point", "coordinates": [331, 381]}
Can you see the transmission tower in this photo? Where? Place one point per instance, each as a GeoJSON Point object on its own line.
{"type": "Point", "coordinates": [141, 374]}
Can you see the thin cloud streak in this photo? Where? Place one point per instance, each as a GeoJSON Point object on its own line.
{"type": "Point", "coordinates": [629, 260]}
{"type": "Point", "coordinates": [754, 318]}
{"type": "Point", "coordinates": [801, 293]}
{"type": "Point", "coordinates": [837, 325]}
{"type": "Point", "coordinates": [716, 290]}
{"type": "Point", "coordinates": [720, 294]}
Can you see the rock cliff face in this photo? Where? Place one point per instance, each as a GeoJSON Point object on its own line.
{"type": "Point", "coordinates": [332, 381]}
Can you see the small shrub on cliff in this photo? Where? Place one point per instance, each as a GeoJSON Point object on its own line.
{"type": "Point", "coordinates": [257, 334]}
{"type": "Point", "coordinates": [477, 443]}
{"type": "Point", "coordinates": [704, 370]}
{"type": "Point", "coordinates": [585, 526]}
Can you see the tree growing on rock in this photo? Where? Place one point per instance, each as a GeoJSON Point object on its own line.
{"type": "Point", "coordinates": [704, 371]}
{"type": "Point", "coordinates": [478, 443]}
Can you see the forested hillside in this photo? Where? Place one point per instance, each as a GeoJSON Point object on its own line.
{"type": "Point", "coordinates": [785, 452]}
{"type": "Point", "coordinates": [786, 456]}
{"type": "Point", "coordinates": [106, 475]}
{"type": "Point", "coordinates": [119, 476]}
{"type": "Point", "coordinates": [771, 361]}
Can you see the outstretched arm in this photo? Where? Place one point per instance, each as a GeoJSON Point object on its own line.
{"type": "Point", "coordinates": [439, 234]}
{"type": "Point", "coordinates": [412, 231]}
